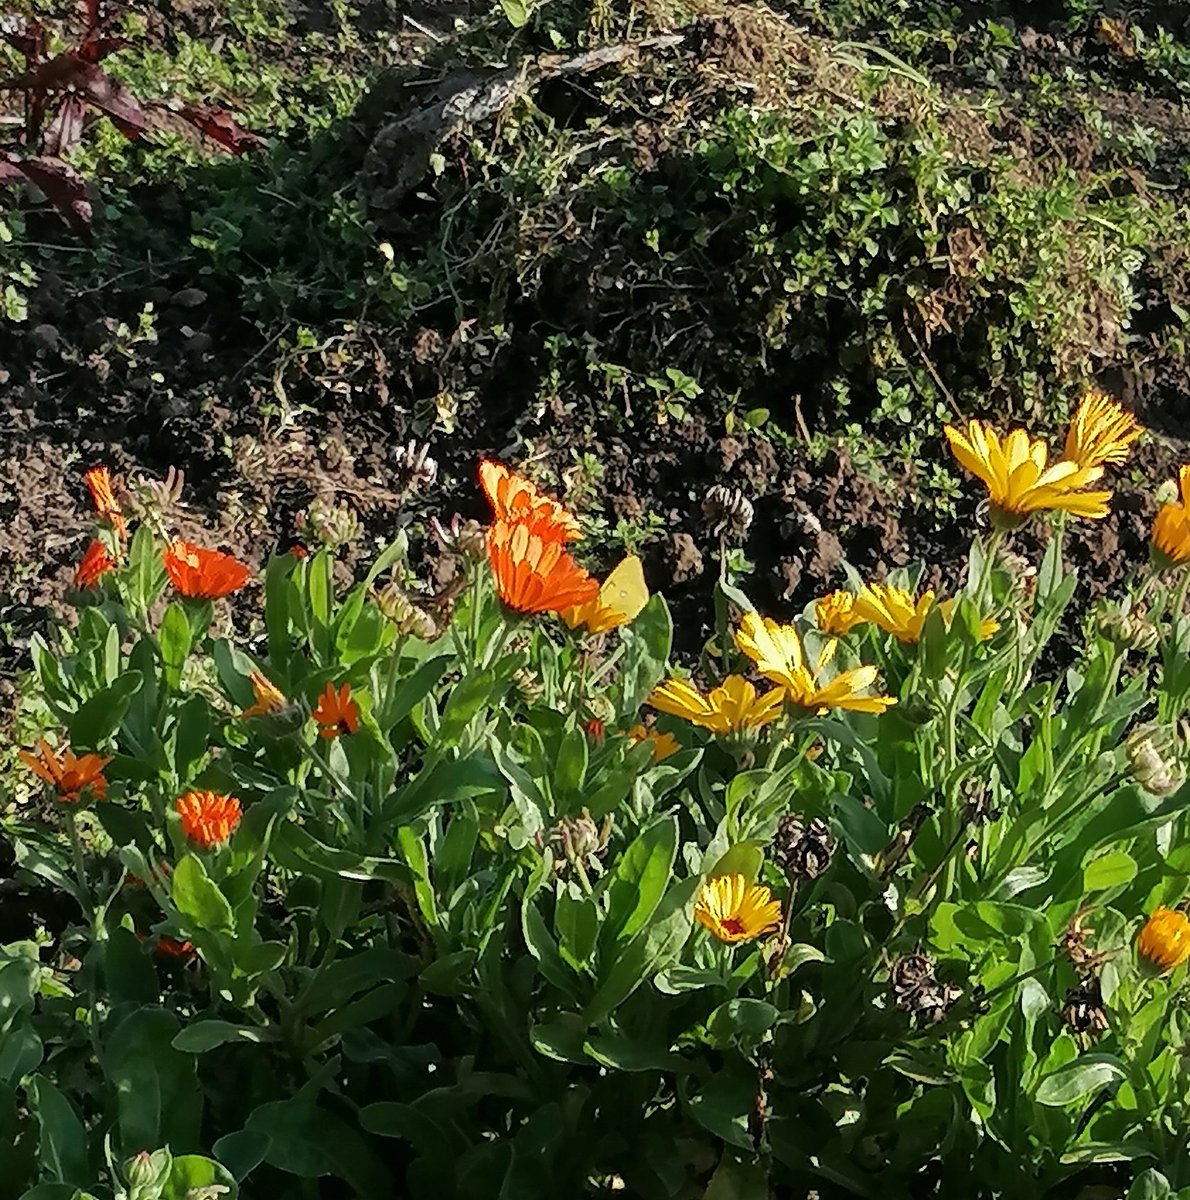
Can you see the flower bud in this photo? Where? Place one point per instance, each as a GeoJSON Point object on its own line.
{"type": "Point", "coordinates": [1127, 630]}
{"type": "Point", "coordinates": [147, 1173]}
{"type": "Point", "coordinates": [579, 841]}
{"type": "Point", "coordinates": [1153, 767]}
{"type": "Point", "coordinates": [334, 525]}
{"type": "Point", "coordinates": [395, 603]}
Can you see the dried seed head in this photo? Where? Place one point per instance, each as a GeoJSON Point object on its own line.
{"type": "Point", "coordinates": [528, 685]}
{"type": "Point", "coordinates": [728, 510]}
{"type": "Point", "coordinates": [409, 618]}
{"type": "Point", "coordinates": [1073, 944]}
{"type": "Point", "coordinates": [156, 498]}
{"type": "Point", "coordinates": [916, 991]}
{"type": "Point", "coordinates": [333, 525]}
{"type": "Point", "coordinates": [1149, 752]}
{"type": "Point", "coordinates": [801, 848]}
{"type": "Point", "coordinates": [467, 538]}
{"type": "Point", "coordinates": [1083, 1011]}
{"type": "Point", "coordinates": [980, 809]}
{"type": "Point", "coordinates": [413, 467]}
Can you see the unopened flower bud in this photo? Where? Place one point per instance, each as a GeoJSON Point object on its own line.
{"type": "Point", "coordinates": [334, 525]}
{"type": "Point", "coordinates": [1127, 630]}
{"type": "Point", "coordinates": [1152, 765]}
{"type": "Point", "coordinates": [801, 848]}
{"type": "Point", "coordinates": [728, 510]}
{"type": "Point", "coordinates": [579, 840]}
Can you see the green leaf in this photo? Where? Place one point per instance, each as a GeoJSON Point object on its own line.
{"type": "Point", "coordinates": [127, 969]}
{"type": "Point", "coordinates": [197, 897]}
{"type": "Point", "coordinates": [653, 949]}
{"type": "Point", "coordinates": [242, 1152]}
{"type": "Point", "coordinates": [206, 1035]}
{"type": "Point", "coordinates": [646, 644]}
{"type": "Point", "coordinates": [192, 1172]}
{"type": "Point", "coordinates": [738, 1179]}
{"type": "Point", "coordinates": [622, 1054]}
{"type": "Point", "coordinates": [310, 1142]}
{"type": "Point", "coordinates": [744, 858]}
{"type": "Point", "coordinates": [1077, 1080]}
{"type": "Point", "coordinates": [639, 881]}
{"type": "Point", "coordinates": [158, 1100]}
{"type": "Point", "coordinates": [191, 737]}
{"type": "Point", "coordinates": [175, 637]}
{"type": "Point", "coordinates": [1150, 1185]}
{"type": "Point", "coordinates": [742, 1022]}
{"type": "Point", "coordinates": [577, 921]}
{"type": "Point", "coordinates": [63, 1142]}
{"type": "Point", "coordinates": [412, 691]}
{"type": "Point", "coordinates": [100, 716]}
{"type": "Point", "coordinates": [571, 765]}
{"type": "Point", "coordinates": [517, 12]}
{"type": "Point", "coordinates": [21, 1051]}
{"type": "Point", "coordinates": [1109, 871]}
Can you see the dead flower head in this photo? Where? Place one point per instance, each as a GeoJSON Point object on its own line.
{"type": "Point", "coordinates": [917, 991]}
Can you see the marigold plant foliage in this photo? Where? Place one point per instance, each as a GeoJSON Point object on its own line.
{"type": "Point", "coordinates": [488, 897]}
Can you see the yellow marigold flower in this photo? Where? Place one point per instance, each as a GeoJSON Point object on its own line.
{"type": "Point", "coordinates": [1165, 938]}
{"type": "Point", "coordinates": [269, 699]}
{"type": "Point", "coordinates": [1100, 432]}
{"type": "Point", "coordinates": [895, 610]}
{"type": "Point", "coordinates": [664, 744]}
{"type": "Point", "coordinates": [1018, 480]}
{"type": "Point", "coordinates": [777, 652]}
{"type": "Point", "coordinates": [731, 707]}
{"type": "Point", "coordinates": [735, 911]}
{"type": "Point", "coordinates": [1171, 529]}
{"type": "Point", "coordinates": [835, 613]}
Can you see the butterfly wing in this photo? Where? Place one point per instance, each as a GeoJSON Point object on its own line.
{"type": "Point", "coordinates": [624, 590]}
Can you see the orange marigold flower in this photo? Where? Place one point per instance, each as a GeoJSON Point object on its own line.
{"type": "Point", "coordinates": [516, 499]}
{"type": "Point", "coordinates": [99, 484]}
{"type": "Point", "coordinates": [1171, 529]}
{"type": "Point", "coordinates": [534, 575]}
{"type": "Point", "coordinates": [168, 947]}
{"type": "Point", "coordinates": [269, 698]}
{"type": "Point", "coordinates": [336, 713]}
{"type": "Point", "coordinates": [73, 777]}
{"type": "Point", "coordinates": [1165, 938]}
{"type": "Point", "coordinates": [202, 574]}
{"type": "Point", "coordinates": [95, 564]}
{"type": "Point", "coordinates": [208, 818]}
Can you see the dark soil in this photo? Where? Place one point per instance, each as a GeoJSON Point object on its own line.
{"type": "Point", "coordinates": [261, 430]}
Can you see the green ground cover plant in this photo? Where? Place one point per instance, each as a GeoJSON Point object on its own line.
{"type": "Point", "coordinates": [471, 892]}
